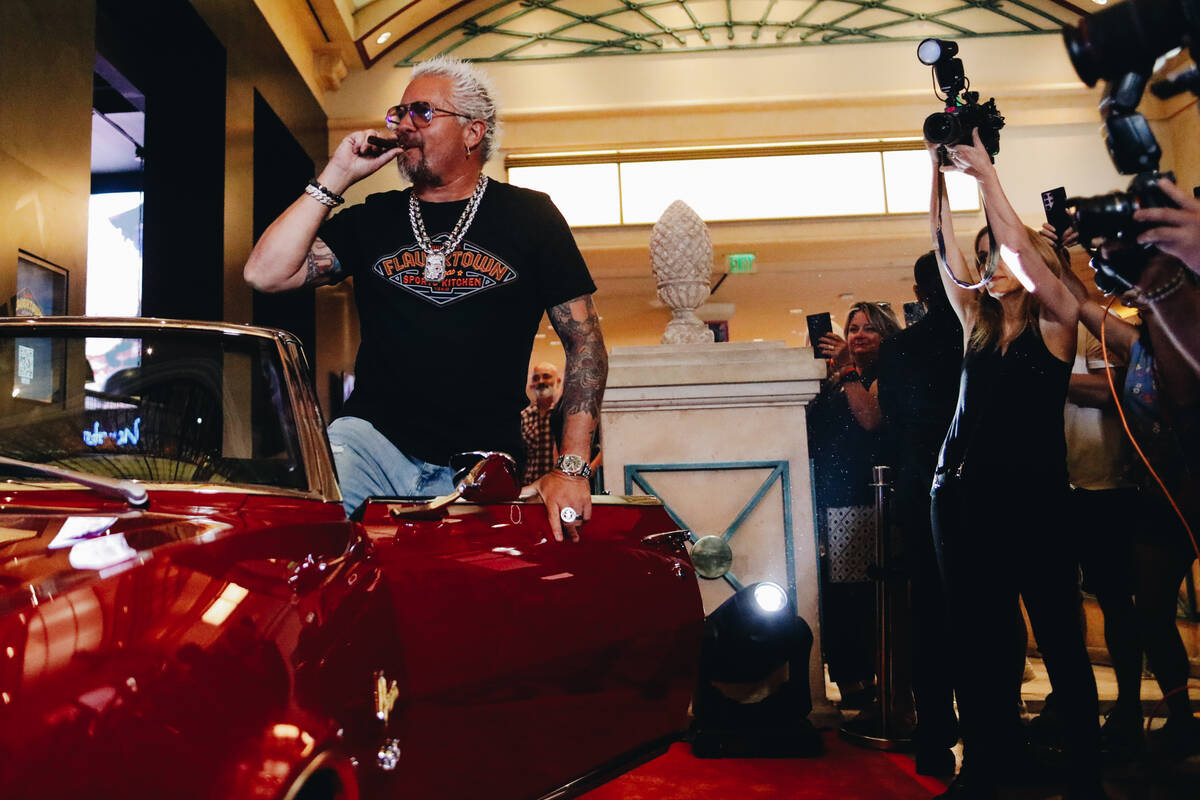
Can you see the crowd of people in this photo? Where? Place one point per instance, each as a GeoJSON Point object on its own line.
{"type": "Point", "coordinates": [996, 417]}
{"type": "Point", "coordinates": [1013, 476]}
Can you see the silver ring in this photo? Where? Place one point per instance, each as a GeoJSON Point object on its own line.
{"type": "Point", "coordinates": [568, 515]}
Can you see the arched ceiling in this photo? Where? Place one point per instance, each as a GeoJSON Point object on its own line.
{"type": "Point", "coordinates": [515, 30]}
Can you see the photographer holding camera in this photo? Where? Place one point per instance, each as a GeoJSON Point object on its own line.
{"type": "Point", "coordinates": [1161, 401]}
{"type": "Point", "coordinates": [1176, 233]}
{"type": "Point", "coordinates": [1120, 45]}
{"type": "Point", "coordinates": [1007, 441]}
{"type": "Point", "coordinates": [1177, 230]}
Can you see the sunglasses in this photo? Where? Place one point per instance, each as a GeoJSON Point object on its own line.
{"type": "Point", "coordinates": [419, 111]}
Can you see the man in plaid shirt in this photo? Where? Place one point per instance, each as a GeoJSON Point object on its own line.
{"type": "Point", "coordinates": [541, 423]}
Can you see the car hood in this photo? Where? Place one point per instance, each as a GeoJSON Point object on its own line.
{"type": "Point", "coordinates": [130, 638]}
{"type": "Point", "coordinates": [44, 553]}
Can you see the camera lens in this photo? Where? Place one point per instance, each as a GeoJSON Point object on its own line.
{"type": "Point", "coordinates": [1104, 216]}
{"type": "Point", "coordinates": [1126, 37]}
{"type": "Point", "coordinates": [943, 128]}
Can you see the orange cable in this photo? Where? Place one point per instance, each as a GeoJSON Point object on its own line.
{"type": "Point", "coordinates": [1117, 400]}
{"type": "Point", "coordinates": [1185, 688]}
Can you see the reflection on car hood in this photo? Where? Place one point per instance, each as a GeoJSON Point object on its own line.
{"type": "Point", "coordinates": [46, 553]}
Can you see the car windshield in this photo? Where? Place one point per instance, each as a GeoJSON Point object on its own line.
{"type": "Point", "coordinates": [156, 405]}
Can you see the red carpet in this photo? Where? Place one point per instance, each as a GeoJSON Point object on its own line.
{"type": "Point", "coordinates": [845, 772]}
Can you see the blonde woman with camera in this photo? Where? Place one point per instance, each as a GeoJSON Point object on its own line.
{"type": "Point", "coordinates": [1000, 493]}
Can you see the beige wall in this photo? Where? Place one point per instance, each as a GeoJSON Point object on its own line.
{"type": "Point", "coordinates": [1179, 134]}
{"type": "Point", "coordinates": [45, 161]}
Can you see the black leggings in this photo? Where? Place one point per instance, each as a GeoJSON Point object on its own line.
{"type": "Point", "coordinates": [994, 547]}
{"type": "Point", "coordinates": [1164, 555]}
{"type": "Point", "coordinates": [932, 645]}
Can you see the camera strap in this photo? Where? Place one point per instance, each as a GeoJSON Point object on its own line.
{"type": "Point", "coordinates": [989, 267]}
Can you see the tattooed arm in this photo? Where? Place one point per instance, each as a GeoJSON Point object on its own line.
{"type": "Point", "coordinates": [585, 373]}
{"type": "Point", "coordinates": [289, 255]}
{"type": "Point", "coordinates": [583, 386]}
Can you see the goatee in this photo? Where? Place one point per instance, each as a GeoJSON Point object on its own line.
{"type": "Point", "coordinates": [419, 174]}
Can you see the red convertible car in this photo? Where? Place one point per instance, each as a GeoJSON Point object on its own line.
{"type": "Point", "coordinates": [187, 611]}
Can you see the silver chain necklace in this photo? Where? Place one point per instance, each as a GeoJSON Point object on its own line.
{"type": "Point", "coordinates": [435, 257]}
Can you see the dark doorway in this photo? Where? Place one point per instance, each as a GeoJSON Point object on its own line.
{"type": "Point", "coordinates": [281, 168]}
{"type": "Point", "coordinates": [165, 49]}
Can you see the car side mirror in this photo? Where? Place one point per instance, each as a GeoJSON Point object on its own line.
{"type": "Point", "coordinates": [492, 478]}
{"type": "Point", "coordinates": [479, 477]}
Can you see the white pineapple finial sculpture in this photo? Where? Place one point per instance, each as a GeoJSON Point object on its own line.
{"type": "Point", "coordinates": [681, 254]}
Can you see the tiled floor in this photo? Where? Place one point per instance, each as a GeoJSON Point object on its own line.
{"type": "Point", "coordinates": [1034, 692]}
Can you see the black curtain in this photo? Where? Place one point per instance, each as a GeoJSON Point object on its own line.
{"type": "Point", "coordinates": [281, 169]}
{"type": "Point", "coordinates": [165, 49]}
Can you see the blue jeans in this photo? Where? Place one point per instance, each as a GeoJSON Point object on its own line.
{"type": "Point", "coordinates": [369, 465]}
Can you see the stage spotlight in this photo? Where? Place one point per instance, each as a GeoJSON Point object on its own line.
{"type": "Point", "coordinates": [770, 597]}
{"type": "Point", "coordinates": [744, 708]}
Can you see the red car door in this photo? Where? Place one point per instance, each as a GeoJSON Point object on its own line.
{"type": "Point", "coordinates": [527, 662]}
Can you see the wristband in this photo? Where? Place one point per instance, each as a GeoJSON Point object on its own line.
{"type": "Point", "coordinates": [850, 374]}
{"type": "Point", "coordinates": [323, 195]}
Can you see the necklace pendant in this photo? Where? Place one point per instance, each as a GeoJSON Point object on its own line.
{"type": "Point", "coordinates": [435, 267]}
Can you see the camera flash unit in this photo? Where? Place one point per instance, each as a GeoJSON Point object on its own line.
{"type": "Point", "coordinates": [931, 51]}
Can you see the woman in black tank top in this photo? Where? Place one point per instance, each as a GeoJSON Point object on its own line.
{"type": "Point", "coordinates": [1000, 491]}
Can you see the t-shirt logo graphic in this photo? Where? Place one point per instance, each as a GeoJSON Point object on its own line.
{"type": "Point", "coordinates": [469, 269]}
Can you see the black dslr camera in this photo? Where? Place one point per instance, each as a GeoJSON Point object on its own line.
{"type": "Point", "coordinates": [1120, 45]}
{"type": "Point", "coordinates": [963, 111]}
{"type": "Point", "coordinates": [1134, 151]}
{"type": "Point", "coordinates": [1129, 37]}
{"type": "Point", "coordinates": [1105, 222]}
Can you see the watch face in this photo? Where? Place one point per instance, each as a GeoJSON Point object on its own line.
{"type": "Point", "coordinates": [570, 463]}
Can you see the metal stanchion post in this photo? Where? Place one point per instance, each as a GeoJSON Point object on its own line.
{"type": "Point", "coordinates": [882, 731]}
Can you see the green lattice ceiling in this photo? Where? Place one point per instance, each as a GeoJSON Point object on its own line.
{"type": "Point", "coordinates": [517, 30]}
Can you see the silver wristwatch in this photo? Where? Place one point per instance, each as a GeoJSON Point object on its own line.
{"type": "Point", "coordinates": [573, 465]}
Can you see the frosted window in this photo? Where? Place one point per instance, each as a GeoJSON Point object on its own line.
{"type": "Point", "coordinates": [586, 194]}
{"type": "Point", "coordinates": [745, 188]}
{"type": "Point", "coordinates": [766, 187]}
{"type": "Point", "coordinates": [908, 174]}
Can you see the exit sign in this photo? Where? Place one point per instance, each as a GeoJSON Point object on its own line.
{"type": "Point", "coordinates": [741, 263]}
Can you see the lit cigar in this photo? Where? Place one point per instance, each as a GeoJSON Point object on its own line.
{"type": "Point", "coordinates": [383, 144]}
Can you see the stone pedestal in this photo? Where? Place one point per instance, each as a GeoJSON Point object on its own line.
{"type": "Point", "coordinates": [718, 432]}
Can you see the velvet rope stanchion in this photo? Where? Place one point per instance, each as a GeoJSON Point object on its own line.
{"type": "Point", "coordinates": [885, 730]}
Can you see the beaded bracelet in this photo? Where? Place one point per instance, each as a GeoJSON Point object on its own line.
{"type": "Point", "coordinates": [323, 195]}
{"type": "Point", "coordinates": [1163, 292]}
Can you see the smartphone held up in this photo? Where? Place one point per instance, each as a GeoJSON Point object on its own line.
{"type": "Point", "coordinates": [818, 326]}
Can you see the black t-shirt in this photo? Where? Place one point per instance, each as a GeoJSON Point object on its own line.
{"type": "Point", "coordinates": [441, 367]}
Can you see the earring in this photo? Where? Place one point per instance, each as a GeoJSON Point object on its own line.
{"type": "Point", "coordinates": [468, 151]}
